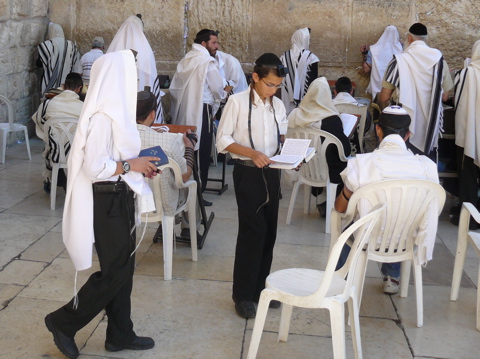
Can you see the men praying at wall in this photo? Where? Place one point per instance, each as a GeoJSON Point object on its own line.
{"type": "Point", "coordinates": [467, 127]}
{"type": "Point", "coordinates": [196, 90]}
{"type": "Point", "coordinates": [89, 58]}
{"type": "Point", "coordinates": [421, 80]}
{"type": "Point", "coordinates": [130, 36]}
{"type": "Point", "coordinates": [64, 106]}
{"type": "Point", "coordinates": [303, 69]}
{"type": "Point", "coordinates": [378, 56]}
{"type": "Point", "coordinates": [58, 57]}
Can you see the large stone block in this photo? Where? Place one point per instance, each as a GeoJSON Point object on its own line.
{"type": "Point", "coordinates": [233, 18]}
{"type": "Point", "coordinates": [20, 9]}
{"type": "Point", "coordinates": [39, 8]}
{"type": "Point", "coordinates": [453, 27]}
{"type": "Point", "coordinates": [15, 32]}
{"type": "Point", "coordinates": [24, 58]}
{"type": "Point", "coordinates": [63, 12]}
{"type": "Point", "coordinates": [4, 35]}
{"type": "Point", "coordinates": [4, 10]}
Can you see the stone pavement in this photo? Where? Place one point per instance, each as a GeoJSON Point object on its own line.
{"type": "Point", "coordinates": [192, 316]}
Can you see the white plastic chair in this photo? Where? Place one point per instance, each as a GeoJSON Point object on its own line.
{"type": "Point", "coordinates": [464, 238]}
{"type": "Point", "coordinates": [168, 221]}
{"type": "Point", "coordinates": [353, 109]}
{"type": "Point", "coordinates": [314, 173]}
{"type": "Point", "coordinates": [329, 289]}
{"type": "Point", "coordinates": [60, 133]}
{"type": "Point", "coordinates": [11, 126]}
{"type": "Point", "coordinates": [392, 239]}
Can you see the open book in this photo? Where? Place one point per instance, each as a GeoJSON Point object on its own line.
{"type": "Point", "coordinates": [349, 123]}
{"type": "Point", "coordinates": [294, 151]}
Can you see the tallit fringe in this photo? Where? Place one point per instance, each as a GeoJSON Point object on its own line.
{"type": "Point", "coordinates": [75, 293]}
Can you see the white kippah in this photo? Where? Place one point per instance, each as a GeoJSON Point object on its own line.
{"type": "Point", "coordinates": [395, 110]}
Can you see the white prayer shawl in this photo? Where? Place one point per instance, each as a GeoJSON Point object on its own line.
{"type": "Point", "coordinates": [345, 98]}
{"type": "Point", "coordinates": [186, 89]}
{"type": "Point", "coordinates": [130, 36]}
{"type": "Point", "coordinates": [467, 105]}
{"type": "Point", "coordinates": [231, 70]}
{"type": "Point", "coordinates": [382, 52]}
{"type": "Point", "coordinates": [315, 106]}
{"type": "Point", "coordinates": [112, 93]}
{"type": "Point", "coordinates": [419, 83]}
{"type": "Point", "coordinates": [297, 60]}
{"type": "Point", "coordinates": [474, 49]}
{"type": "Point", "coordinates": [59, 57]}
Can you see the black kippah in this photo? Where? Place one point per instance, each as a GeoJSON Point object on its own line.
{"type": "Point", "coordinates": [204, 35]}
{"type": "Point", "coordinates": [418, 29]}
{"type": "Point", "coordinates": [395, 118]}
{"type": "Point", "coordinates": [146, 103]}
{"type": "Point", "coordinates": [268, 59]}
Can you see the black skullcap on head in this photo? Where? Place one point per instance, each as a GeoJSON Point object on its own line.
{"type": "Point", "coordinates": [146, 103]}
{"type": "Point", "coordinates": [418, 29]}
{"type": "Point", "coordinates": [394, 118]}
{"type": "Point", "coordinates": [268, 59]}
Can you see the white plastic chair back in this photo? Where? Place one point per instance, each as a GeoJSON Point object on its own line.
{"type": "Point", "coordinates": [309, 288]}
{"type": "Point", "coordinates": [466, 236]}
{"type": "Point", "coordinates": [168, 220]}
{"type": "Point", "coordinates": [392, 239]}
{"type": "Point", "coordinates": [314, 173]}
{"type": "Point", "coordinates": [11, 126]}
{"type": "Point", "coordinates": [60, 134]}
{"type": "Point", "coordinates": [353, 109]}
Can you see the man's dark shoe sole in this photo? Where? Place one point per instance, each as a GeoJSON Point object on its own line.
{"type": "Point", "coordinates": [140, 343]}
{"type": "Point", "coordinates": [57, 338]}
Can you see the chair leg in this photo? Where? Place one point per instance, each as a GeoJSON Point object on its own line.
{"type": "Point", "coordinates": [462, 244]}
{"type": "Point", "coordinates": [478, 301]}
{"type": "Point", "coordinates": [353, 315]}
{"type": "Point", "coordinates": [167, 229]}
{"type": "Point", "coordinates": [337, 322]}
{"type": "Point", "coordinates": [405, 277]}
{"type": "Point", "coordinates": [285, 322]}
{"type": "Point", "coordinates": [331, 192]}
{"type": "Point", "coordinates": [53, 186]}
{"type": "Point", "coordinates": [4, 144]}
{"type": "Point", "coordinates": [293, 198]}
{"type": "Point", "coordinates": [307, 198]}
{"type": "Point", "coordinates": [192, 220]}
{"type": "Point", "coordinates": [417, 273]}
{"type": "Point", "coordinates": [27, 142]}
{"type": "Point", "coordinates": [260, 317]}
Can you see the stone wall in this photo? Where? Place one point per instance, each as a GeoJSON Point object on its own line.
{"type": "Point", "coordinates": [247, 28]}
{"type": "Point", "coordinates": [22, 26]}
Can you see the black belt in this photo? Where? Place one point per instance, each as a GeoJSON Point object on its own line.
{"type": "Point", "coordinates": [248, 163]}
{"type": "Point", "coordinates": [110, 187]}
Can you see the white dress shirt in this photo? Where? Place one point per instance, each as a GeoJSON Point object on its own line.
{"type": "Point", "coordinates": [234, 124]}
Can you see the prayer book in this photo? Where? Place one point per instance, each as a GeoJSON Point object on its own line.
{"type": "Point", "coordinates": [349, 123]}
{"type": "Point", "coordinates": [294, 151]}
{"type": "Point", "coordinates": [155, 152]}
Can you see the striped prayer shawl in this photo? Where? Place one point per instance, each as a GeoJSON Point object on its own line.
{"type": "Point", "coordinates": [435, 113]}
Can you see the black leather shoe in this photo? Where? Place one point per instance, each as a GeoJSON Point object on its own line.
{"type": "Point", "coordinates": [246, 309]}
{"type": "Point", "coordinates": [64, 343]}
{"type": "Point", "coordinates": [207, 203]}
{"type": "Point", "coordinates": [275, 304]}
{"type": "Point", "coordinates": [139, 343]}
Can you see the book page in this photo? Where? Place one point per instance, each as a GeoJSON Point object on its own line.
{"type": "Point", "coordinates": [349, 123]}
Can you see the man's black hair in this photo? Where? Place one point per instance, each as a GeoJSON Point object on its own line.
{"type": "Point", "coordinates": [269, 62]}
{"type": "Point", "coordinates": [204, 35]}
{"type": "Point", "coordinates": [343, 84]}
{"type": "Point", "coordinates": [394, 124]}
{"type": "Point", "coordinates": [73, 81]}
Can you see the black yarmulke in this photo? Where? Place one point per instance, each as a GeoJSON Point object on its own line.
{"type": "Point", "coordinates": [418, 29]}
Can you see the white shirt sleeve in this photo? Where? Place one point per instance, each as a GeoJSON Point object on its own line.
{"type": "Point", "coordinates": [98, 163]}
{"type": "Point", "coordinates": [281, 118]}
{"type": "Point", "coordinates": [227, 125]}
{"type": "Point", "coordinates": [216, 83]}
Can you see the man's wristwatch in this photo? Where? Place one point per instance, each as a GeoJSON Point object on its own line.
{"type": "Point", "coordinates": [125, 167]}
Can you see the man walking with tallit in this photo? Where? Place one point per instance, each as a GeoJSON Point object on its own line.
{"type": "Point", "coordinates": [419, 80]}
{"type": "Point", "coordinates": [196, 91]}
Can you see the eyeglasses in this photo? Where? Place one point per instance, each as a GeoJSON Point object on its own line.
{"type": "Point", "coordinates": [272, 85]}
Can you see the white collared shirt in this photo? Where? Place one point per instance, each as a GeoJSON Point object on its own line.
{"type": "Point", "coordinates": [234, 124]}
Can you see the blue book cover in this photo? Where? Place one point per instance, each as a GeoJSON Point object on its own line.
{"type": "Point", "coordinates": [155, 152]}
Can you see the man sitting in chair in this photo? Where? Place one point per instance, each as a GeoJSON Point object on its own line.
{"type": "Point", "coordinates": [175, 145]}
{"type": "Point", "coordinates": [391, 160]}
{"type": "Point", "coordinates": [66, 105]}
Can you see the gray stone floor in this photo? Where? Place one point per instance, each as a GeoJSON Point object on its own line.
{"type": "Point", "coordinates": [192, 316]}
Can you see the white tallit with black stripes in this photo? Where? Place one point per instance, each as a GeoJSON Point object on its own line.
{"type": "Point", "coordinates": [417, 73]}
{"type": "Point", "coordinates": [59, 57]}
{"type": "Point", "coordinates": [130, 36]}
{"type": "Point", "coordinates": [297, 60]}
{"type": "Point", "coordinates": [467, 107]}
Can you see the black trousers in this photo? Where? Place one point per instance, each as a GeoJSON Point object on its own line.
{"type": "Point", "coordinates": [111, 287]}
{"type": "Point", "coordinates": [257, 194]}
{"type": "Point", "coordinates": [205, 148]}
{"type": "Point", "coordinates": [468, 178]}
{"type": "Point", "coordinates": [333, 125]}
